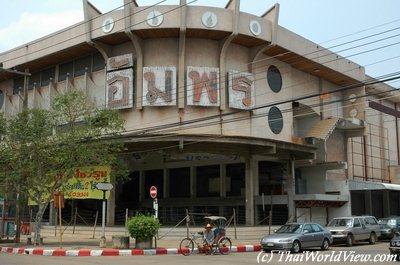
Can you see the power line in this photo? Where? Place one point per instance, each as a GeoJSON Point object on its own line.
{"type": "Point", "coordinates": [309, 53]}
{"type": "Point", "coordinates": [83, 34]}
{"type": "Point", "coordinates": [363, 38]}
{"type": "Point", "coordinates": [219, 116]}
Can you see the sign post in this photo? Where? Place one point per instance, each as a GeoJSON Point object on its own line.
{"type": "Point", "coordinates": [103, 186]}
{"type": "Point", "coordinates": [153, 195]}
{"type": "Point", "coordinates": [59, 203]}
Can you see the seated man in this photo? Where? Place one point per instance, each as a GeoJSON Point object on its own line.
{"type": "Point", "coordinates": [208, 239]}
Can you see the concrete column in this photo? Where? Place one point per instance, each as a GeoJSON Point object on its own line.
{"type": "Point", "coordinates": [222, 180]}
{"type": "Point", "coordinates": [368, 202]}
{"type": "Point", "coordinates": [222, 185]}
{"type": "Point", "coordinates": [52, 214]}
{"type": "Point", "coordinates": [249, 182]}
{"type": "Point", "coordinates": [193, 178]}
{"type": "Point", "coordinates": [166, 183]}
{"type": "Point", "coordinates": [386, 203]}
{"type": "Point", "coordinates": [111, 208]}
{"type": "Point", "coordinates": [291, 190]}
{"type": "Point", "coordinates": [141, 185]}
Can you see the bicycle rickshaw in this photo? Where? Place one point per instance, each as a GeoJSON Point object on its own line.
{"type": "Point", "coordinates": [221, 244]}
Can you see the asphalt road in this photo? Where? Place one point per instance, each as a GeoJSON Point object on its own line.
{"type": "Point", "coordinates": [359, 254]}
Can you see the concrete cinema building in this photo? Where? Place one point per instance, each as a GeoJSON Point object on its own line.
{"type": "Point", "coordinates": [224, 110]}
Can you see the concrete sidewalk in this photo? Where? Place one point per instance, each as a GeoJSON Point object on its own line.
{"type": "Point", "coordinates": [79, 245]}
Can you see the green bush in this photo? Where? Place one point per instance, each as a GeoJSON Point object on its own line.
{"type": "Point", "coordinates": [143, 227]}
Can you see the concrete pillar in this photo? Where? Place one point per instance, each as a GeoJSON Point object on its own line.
{"type": "Point", "coordinates": [166, 183]}
{"type": "Point", "coordinates": [291, 191]}
{"type": "Point", "coordinates": [193, 178]}
{"type": "Point", "coordinates": [111, 208]}
{"type": "Point", "coordinates": [386, 203]}
{"type": "Point", "coordinates": [141, 185]}
{"type": "Point", "coordinates": [222, 185]}
{"type": "Point", "coordinates": [52, 214]}
{"type": "Point", "coordinates": [249, 182]}
{"type": "Point", "coordinates": [368, 202]}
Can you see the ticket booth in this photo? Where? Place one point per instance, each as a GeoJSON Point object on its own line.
{"type": "Point", "coordinates": [7, 217]}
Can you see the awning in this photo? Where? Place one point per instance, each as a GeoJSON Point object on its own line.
{"type": "Point", "coordinates": [320, 200]}
{"type": "Point", "coordinates": [369, 185]}
{"type": "Point", "coordinates": [322, 129]}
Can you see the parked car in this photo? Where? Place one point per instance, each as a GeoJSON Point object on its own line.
{"type": "Point", "coordinates": [297, 236]}
{"type": "Point", "coordinates": [355, 228]}
{"type": "Point", "coordinates": [389, 226]}
{"type": "Point", "coordinates": [394, 246]}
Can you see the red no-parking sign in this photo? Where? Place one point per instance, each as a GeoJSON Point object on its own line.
{"type": "Point", "coordinates": [153, 192]}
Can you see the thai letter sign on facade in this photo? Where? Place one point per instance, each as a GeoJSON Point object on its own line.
{"type": "Point", "coordinates": [241, 90]}
{"type": "Point", "coordinates": [202, 86]}
{"type": "Point", "coordinates": [119, 84]}
{"type": "Point", "coordinates": [159, 86]}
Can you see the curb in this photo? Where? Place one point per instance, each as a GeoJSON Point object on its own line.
{"type": "Point", "coordinates": [111, 252]}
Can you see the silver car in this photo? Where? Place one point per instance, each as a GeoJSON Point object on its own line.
{"type": "Point", "coordinates": [297, 236]}
{"type": "Point", "coordinates": [355, 228]}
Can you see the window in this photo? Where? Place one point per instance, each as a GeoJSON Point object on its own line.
{"type": "Point", "coordinates": [235, 183]}
{"type": "Point", "coordinates": [275, 120]}
{"type": "Point", "coordinates": [316, 228]}
{"type": "Point", "coordinates": [274, 79]}
{"type": "Point", "coordinates": [370, 221]}
{"type": "Point", "coordinates": [356, 223]}
{"type": "Point", "coordinates": [308, 229]}
{"type": "Point", "coordinates": [98, 62]}
{"type": "Point", "coordinates": [18, 85]}
{"type": "Point", "coordinates": [82, 65]}
{"type": "Point", "coordinates": [179, 182]}
{"type": "Point", "coordinates": [65, 69]}
{"type": "Point", "coordinates": [47, 75]}
{"type": "Point", "coordinates": [1, 99]}
{"type": "Point", "coordinates": [272, 178]}
{"type": "Point", "coordinates": [207, 181]}
{"type": "Point", "coordinates": [154, 178]}
{"type": "Point", "coordinates": [34, 80]}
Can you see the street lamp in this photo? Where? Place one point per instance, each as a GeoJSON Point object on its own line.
{"type": "Point", "coordinates": [103, 186]}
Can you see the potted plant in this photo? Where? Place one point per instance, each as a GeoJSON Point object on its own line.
{"type": "Point", "coordinates": [143, 228]}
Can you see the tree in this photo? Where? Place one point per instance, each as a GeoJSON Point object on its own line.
{"type": "Point", "coordinates": [40, 148]}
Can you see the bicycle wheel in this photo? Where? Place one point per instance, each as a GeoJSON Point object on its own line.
{"type": "Point", "coordinates": [224, 245]}
{"type": "Point", "coordinates": [186, 246]}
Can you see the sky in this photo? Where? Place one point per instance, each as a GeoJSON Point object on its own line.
{"type": "Point", "coordinates": [365, 31]}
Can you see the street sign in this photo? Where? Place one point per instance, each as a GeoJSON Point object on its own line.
{"type": "Point", "coordinates": [153, 192]}
{"type": "Point", "coordinates": [104, 186]}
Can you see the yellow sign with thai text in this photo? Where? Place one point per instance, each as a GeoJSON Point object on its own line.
{"type": "Point", "coordinates": [83, 184]}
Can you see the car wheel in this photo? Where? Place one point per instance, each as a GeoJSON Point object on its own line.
{"type": "Point", "coordinates": [325, 244]}
{"type": "Point", "coordinates": [296, 247]}
{"type": "Point", "coordinates": [372, 238]}
{"type": "Point", "coordinates": [349, 240]}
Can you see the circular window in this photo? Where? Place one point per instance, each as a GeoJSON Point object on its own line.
{"type": "Point", "coordinates": [1, 99]}
{"type": "Point", "coordinates": [108, 25]}
{"type": "Point", "coordinates": [155, 18]}
{"type": "Point", "coordinates": [275, 120]}
{"type": "Point", "coordinates": [274, 79]}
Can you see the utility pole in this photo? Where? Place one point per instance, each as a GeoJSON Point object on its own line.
{"type": "Point", "coordinates": [26, 75]}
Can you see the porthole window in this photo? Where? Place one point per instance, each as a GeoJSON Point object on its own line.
{"type": "Point", "coordinates": [275, 120]}
{"type": "Point", "coordinates": [274, 78]}
{"type": "Point", "coordinates": [1, 99]}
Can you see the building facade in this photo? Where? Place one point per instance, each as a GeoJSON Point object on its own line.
{"type": "Point", "coordinates": [223, 111]}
